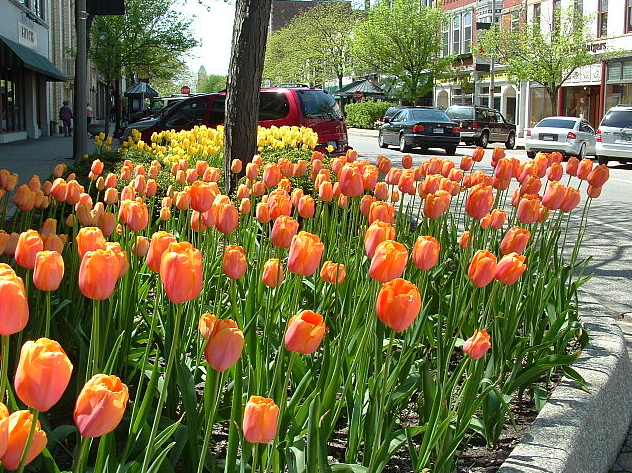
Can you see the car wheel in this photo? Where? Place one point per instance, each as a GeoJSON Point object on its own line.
{"type": "Point", "coordinates": [582, 151]}
{"type": "Point", "coordinates": [380, 141]}
{"type": "Point", "coordinates": [602, 160]}
{"type": "Point", "coordinates": [451, 150]}
{"type": "Point", "coordinates": [530, 154]}
{"type": "Point", "coordinates": [403, 146]}
{"type": "Point", "coordinates": [511, 141]}
{"type": "Point", "coordinates": [483, 141]}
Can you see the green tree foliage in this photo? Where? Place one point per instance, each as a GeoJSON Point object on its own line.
{"type": "Point", "coordinates": [314, 47]}
{"type": "Point", "coordinates": [400, 38]}
{"type": "Point", "coordinates": [150, 39]}
{"type": "Point", "coordinates": [212, 83]}
{"type": "Point", "coordinates": [541, 53]}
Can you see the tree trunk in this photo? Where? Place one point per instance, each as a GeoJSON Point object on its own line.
{"type": "Point", "coordinates": [552, 91]}
{"type": "Point", "coordinates": [250, 33]}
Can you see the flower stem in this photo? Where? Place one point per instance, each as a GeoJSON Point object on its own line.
{"type": "Point", "coordinates": [29, 440]}
{"type": "Point", "coordinates": [5, 366]}
{"type": "Point", "coordinates": [82, 455]}
{"type": "Point", "coordinates": [209, 423]}
{"type": "Point", "coordinates": [47, 327]}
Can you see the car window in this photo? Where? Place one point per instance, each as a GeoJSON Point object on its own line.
{"type": "Point", "coordinates": [585, 127]}
{"type": "Point", "coordinates": [460, 113]}
{"type": "Point", "coordinates": [218, 110]}
{"type": "Point", "coordinates": [618, 119]}
{"type": "Point", "coordinates": [318, 104]}
{"type": "Point", "coordinates": [429, 116]}
{"type": "Point", "coordinates": [500, 118]}
{"type": "Point", "coordinates": [273, 106]}
{"type": "Point", "coordinates": [399, 116]}
{"type": "Point", "coordinates": [391, 112]}
{"type": "Point", "coordinates": [481, 115]}
{"type": "Point", "coordinates": [191, 113]}
{"type": "Point", "coordinates": [491, 116]}
{"type": "Point", "coordinates": [556, 123]}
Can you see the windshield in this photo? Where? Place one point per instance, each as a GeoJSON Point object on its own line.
{"type": "Point", "coordinates": [556, 123]}
{"type": "Point", "coordinates": [428, 116]}
{"type": "Point", "coordinates": [460, 113]}
{"type": "Point", "coordinates": [618, 119]}
{"type": "Point", "coordinates": [318, 104]}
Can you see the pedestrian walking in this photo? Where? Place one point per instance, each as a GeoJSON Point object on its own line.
{"type": "Point", "coordinates": [66, 116]}
{"type": "Point", "coordinates": [89, 113]}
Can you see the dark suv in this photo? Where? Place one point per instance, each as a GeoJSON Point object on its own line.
{"type": "Point", "coordinates": [482, 125]}
{"type": "Point", "coordinates": [278, 106]}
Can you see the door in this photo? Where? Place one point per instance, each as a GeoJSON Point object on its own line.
{"type": "Point", "coordinates": [503, 127]}
{"type": "Point", "coordinates": [492, 123]}
{"type": "Point", "coordinates": [392, 128]}
{"type": "Point", "coordinates": [587, 135]}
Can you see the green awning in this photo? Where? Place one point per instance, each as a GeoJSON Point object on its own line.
{"type": "Point", "coordinates": [29, 59]}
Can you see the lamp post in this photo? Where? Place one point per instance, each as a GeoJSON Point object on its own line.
{"type": "Point", "coordinates": [81, 82]}
{"type": "Point", "coordinates": [491, 62]}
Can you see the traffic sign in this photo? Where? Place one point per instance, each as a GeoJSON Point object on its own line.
{"type": "Point", "coordinates": [185, 89]}
{"type": "Point", "coordinates": [358, 95]}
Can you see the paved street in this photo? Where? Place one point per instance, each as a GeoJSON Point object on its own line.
{"type": "Point", "coordinates": [608, 239]}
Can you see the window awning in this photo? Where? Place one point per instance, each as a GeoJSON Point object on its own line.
{"type": "Point", "coordinates": [13, 54]}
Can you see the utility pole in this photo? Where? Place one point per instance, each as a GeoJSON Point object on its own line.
{"type": "Point", "coordinates": [491, 61]}
{"type": "Point", "coordinates": [80, 131]}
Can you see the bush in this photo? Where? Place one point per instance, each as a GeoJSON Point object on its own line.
{"type": "Point", "coordinates": [364, 114]}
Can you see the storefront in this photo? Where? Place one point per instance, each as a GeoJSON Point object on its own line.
{"type": "Point", "coordinates": [580, 94]}
{"type": "Point", "coordinates": [618, 83]}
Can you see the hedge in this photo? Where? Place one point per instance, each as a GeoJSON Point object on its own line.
{"type": "Point", "coordinates": [364, 114]}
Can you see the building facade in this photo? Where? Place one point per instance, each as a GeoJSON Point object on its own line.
{"type": "Point", "coordinates": [588, 93]}
{"type": "Point", "coordinates": [25, 70]}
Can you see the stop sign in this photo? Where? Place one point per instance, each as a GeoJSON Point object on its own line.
{"type": "Point", "coordinates": [358, 95]}
{"type": "Point", "coordinates": [185, 89]}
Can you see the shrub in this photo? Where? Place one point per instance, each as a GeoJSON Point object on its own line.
{"type": "Point", "coordinates": [364, 114]}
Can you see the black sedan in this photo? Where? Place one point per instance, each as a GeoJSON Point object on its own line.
{"type": "Point", "coordinates": [420, 128]}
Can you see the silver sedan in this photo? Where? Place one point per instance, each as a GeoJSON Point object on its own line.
{"type": "Point", "coordinates": [570, 136]}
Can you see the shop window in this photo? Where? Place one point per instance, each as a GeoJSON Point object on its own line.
{"type": "Point", "coordinates": [614, 72]}
{"type": "Point", "coordinates": [456, 36]}
{"type": "Point", "coordinates": [12, 115]}
{"type": "Point", "coordinates": [467, 32]}
{"type": "Point", "coordinates": [537, 14]}
{"type": "Point", "coordinates": [626, 71]}
{"type": "Point", "coordinates": [446, 39]}
{"type": "Point", "coordinates": [602, 19]}
{"type": "Point", "coordinates": [38, 8]}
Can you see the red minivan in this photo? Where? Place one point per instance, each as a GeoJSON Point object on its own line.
{"type": "Point", "coordinates": [278, 106]}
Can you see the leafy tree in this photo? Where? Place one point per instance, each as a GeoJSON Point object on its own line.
{"type": "Point", "coordinates": [545, 55]}
{"type": "Point", "coordinates": [400, 38]}
{"type": "Point", "coordinates": [315, 46]}
{"type": "Point", "coordinates": [212, 83]}
{"type": "Point", "coordinates": [150, 39]}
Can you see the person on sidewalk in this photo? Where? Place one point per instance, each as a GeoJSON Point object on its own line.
{"type": "Point", "coordinates": [66, 116]}
{"type": "Point", "coordinates": [89, 113]}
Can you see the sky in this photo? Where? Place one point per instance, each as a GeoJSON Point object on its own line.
{"type": "Point", "coordinates": [213, 26]}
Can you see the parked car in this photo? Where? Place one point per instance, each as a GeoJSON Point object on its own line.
{"type": "Point", "coordinates": [156, 106]}
{"type": "Point", "coordinates": [482, 125]}
{"type": "Point", "coordinates": [420, 127]}
{"type": "Point", "coordinates": [614, 135]}
{"type": "Point", "coordinates": [278, 106]}
{"type": "Point", "coordinates": [390, 113]}
{"type": "Point", "coordinates": [570, 136]}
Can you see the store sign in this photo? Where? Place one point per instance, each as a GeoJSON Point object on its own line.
{"type": "Point", "coordinates": [27, 36]}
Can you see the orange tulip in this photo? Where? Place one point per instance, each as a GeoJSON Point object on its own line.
{"type": "Point", "coordinates": [478, 154]}
{"type": "Point", "coordinates": [245, 206]}
{"type": "Point", "coordinates": [141, 247]}
{"type": "Point", "coordinates": [252, 171]}
{"type": "Point", "coordinates": [98, 274]}
{"type": "Point", "coordinates": [49, 227]}
{"type": "Point", "coordinates": [398, 304]}
{"type": "Point", "coordinates": [482, 269]}
{"type": "Point", "coordinates": [181, 272]}
{"type": "Point", "coordinates": [120, 255]}
{"type": "Point", "coordinates": [584, 168]}
{"type": "Point", "coordinates": [136, 215]}
{"type": "Point", "coordinates": [436, 204]}
{"type": "Point", "coordinates": [593, 192]}
{"type": "Point", "coordinates": [384, 164]}
{"type": "Point", "coordinates": [598, 176]}
{"type": "Point", "coordinates": [202, 196]}
{"type": "Point", "coordinates": [49, 270]}
{"type": "Point", "coordinates": [160, 241]}
{"type": "Point", "coordinates": [59, 170]}
{"type": "Point", "coordinates": [529, 209]}
{"type": "Point", "coordinates": [224, 345]}
{"type": "Point", "coordinates": [90, 239]}
{"type": "Point", "coordinates": [510, 268]}
{"type": "Point", "coordinates": [4, 240]}
{"type": "Point", "coordinates": [73, 191]}
{"type": "Point", "coordinates": [504, 169]}
{"type": "Point", "coordinates": [52, 243]}
{"type": "Point", "coordinates": [227, 218]}
{"type": "Point", "coordinates": [283, 231]}
{"type": "Point", "coordinates": [555, 172]}
{"type": "Point", "coordinates": [466, 163]}
{"type": "Point", "coordinates": [571, 199]}
{"type": "Point", "coordinates": [14, 309]}
{"type": "Point", "coordinates": [426, 252]}
{"type": "Point", "coordinates": [554, 195]}
{"type": "Point", "coordinates": [261, 416]}
{"type": "Point", "coordinates": [383, 211]}
{"type": "Point", "coordinates": [479, 201]}
{"type": "Point", "coordinates": [464, 239]}
{"type": "Point", "coordinates": [381, 191]}
{"type": "Point", "coordinates": [42, 374]}
{"type": "Point", "coordinates": [11, 244]}
{"type": "Point", "coordinates": [306, 206]}
{"type": "Point", "coordinates": [206, 324]}
{"type": "Point", "coordinates": [351, 182]}
{"type": "Point", "coordinates": [572, 165]}
{"type": "Point", "coordinates": [377, 232]}
{"type": "Point", "coordinates": [300, 168]}
{"type": "Point", "coordinates": [234, 263]}
{"type": "Point", "coordinates": [515, 241]}
{"type": "Point", "coordinates": [29, 244]}
{"type": "Point", "coordinates": [407, 161]}
{"type": "Point", "coordinates": [305, 332]}
{"type": "Point", "coordinates": [100, 405]}
{"type": "Point", "coordinates": [236, 166]}
{"type": "Point", "coordinates": [106, 223]}
{"type": "Point", "coordinates": [306, 250]}
{"type": "Point", "coordinates": [389, 261]}
{"type": "Point", "coordinates": [262, 212]}
{"type": "Point", "coordinates": [477, 345]}
{"type": "Point", "coordinates": [279, 203]}
{"type": "Point", "coordinates": [16, 430]}
{"type": "Point", "coordinates": [272, 273]}
{"type": "Point", "coordinates": [333, 273]}
{"type": "Point", "coordinates": [271, 174]}
{"type": "Point", "coordinates": [326, 191]}
{"type": "Point", "coordinates": [370, 176]}
{"type": "Point", "coordinates": [406, 182]}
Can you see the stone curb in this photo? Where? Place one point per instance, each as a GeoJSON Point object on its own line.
{"type": "Point", "coordinates": [577, 431]}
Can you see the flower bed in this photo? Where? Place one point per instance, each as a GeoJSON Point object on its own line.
{"type": "Point", "coordinates": [387, 309]}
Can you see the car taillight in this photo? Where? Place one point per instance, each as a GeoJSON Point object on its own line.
{"type": "Point", "coordinates": [475, 125]}
{"type": "Point", "coordinates": [456, 129]}
{"type": "Point", "coordinates": [418, 128]}
{"type": "Point", "coordinates": [527, 133]}
{"type": "Point", "coordinates": [571, 136]}
{"type": "Point", "coordinates": [598, 137]}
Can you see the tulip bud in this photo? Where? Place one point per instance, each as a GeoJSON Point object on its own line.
{"type": "Point", "coordinates": [389, 261]}
{"type": "Point", "coordinates": [98, 273]}
{"type": "Point", "coordinates": [224, 345]}
{"type": "Point", "coordinates": [510, 268]}
{"type": "Point", "coordinates": [377, 232]}
{"type": "Point", "coordinates": [100, 405]}
{"type": "Point", "coordinates": [398, 304]}
{"type": "Point", "coordinates": [29, 244]}
{"type": "Point", "coordinates": [49, 270]}
{"type": "Point", "coordinates": [426, 252]}
{"type": "Point", "coordinates": [260, 420]}
{"type": "Point", "coordinates": [14, 309]}
{"type": "Point", "coordinates": [206, 324]}
{"type": "Point", "coordinates": [482, 269]}
{"type": "Point", "coordinates": [477, 345]}
{"type": "Point", "coordinates": [234, 263]}
{"type": "Point", "coordinates": [305, 332]}
{"type": "Point", "coordinates": [272, 273]}
{"type": "Point", "coordinates": [16, 430]}
{"type": "Point", "coordinates": [306, 250]}
{"type": "Point", "coordinates": [333, 273]}
{"type": "Point", "coordinates": [181, 272]}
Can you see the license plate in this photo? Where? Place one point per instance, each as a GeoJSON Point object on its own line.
{"type": "Point", "coordinates": [437, 130]}
{"type": "Point", "coordinates": [548, 137]}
